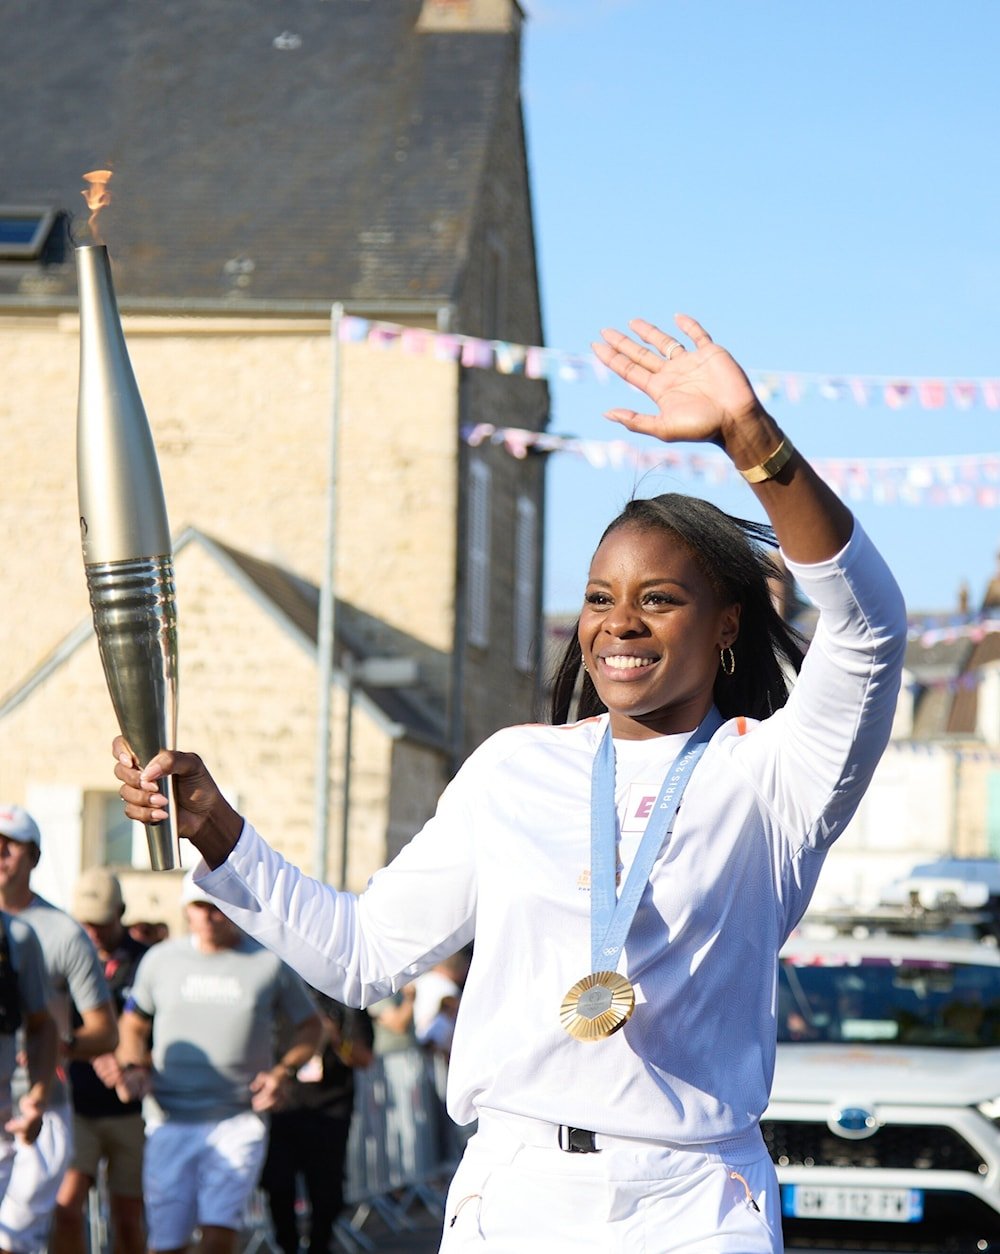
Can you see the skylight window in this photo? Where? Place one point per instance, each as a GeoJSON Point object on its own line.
{"type": "Point", "coordinates": [23, 231]}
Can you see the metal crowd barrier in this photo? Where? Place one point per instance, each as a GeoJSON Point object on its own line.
{"type": "Point", "coordinates": [402, 1152]}
{"type": "Point", "coordinates": [403, 1148]}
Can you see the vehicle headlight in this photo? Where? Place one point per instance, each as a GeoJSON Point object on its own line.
{"type": "Point", "coordinates": [991, 1109]}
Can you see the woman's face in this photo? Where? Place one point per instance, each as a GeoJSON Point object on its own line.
{"type": "Point", "coordinates": [650, 631]}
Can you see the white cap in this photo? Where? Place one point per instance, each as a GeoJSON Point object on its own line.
{"type": "Point", "coordinates": [17, 824]}
{"type": "Point", "coordinates": [192, 892]}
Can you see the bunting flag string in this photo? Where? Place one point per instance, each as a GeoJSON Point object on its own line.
{"type": "Point", "coordinates": [934, 748]}
{"type": "Point", "coordinates": [931, 631]}
{"type": "Point", "coordinates": [537, 362]}
{"type": "Point", "coordinates": [960, 479]}
{"type": "Point", "coordinates": [968, 681]}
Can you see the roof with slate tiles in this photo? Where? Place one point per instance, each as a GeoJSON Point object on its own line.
{"type": "Point", "coordinates": [416, 711]}
{"type": "Point", "coordinates": [266, 153]}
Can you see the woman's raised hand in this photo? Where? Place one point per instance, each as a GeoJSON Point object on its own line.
{"type": "Point", "coordinates": [701, 394]}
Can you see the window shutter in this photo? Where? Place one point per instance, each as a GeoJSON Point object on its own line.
{"type": "Point", "coordinates": [479, 554]}
{"type": "Point", "coordinates": [525, 583]}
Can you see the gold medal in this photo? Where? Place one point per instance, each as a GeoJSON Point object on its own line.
{"type": "Point", "coordinates": [597, 1006]}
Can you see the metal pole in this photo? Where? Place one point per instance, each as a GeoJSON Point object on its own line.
{"type": "Point", "coordinates": [325, 630]}
{"type": "Point", "coordinates": [345, 797]}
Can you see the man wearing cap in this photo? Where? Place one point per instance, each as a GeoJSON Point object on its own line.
{"type": "Point", "coordinates": [76, 979]}
{"type": "Point", "coordinates": [105, 1128]}
{"type": "Point", "coordinates": [197, 1037]}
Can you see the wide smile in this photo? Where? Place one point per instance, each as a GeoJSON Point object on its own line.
{"type": "Point", "coordinates": [626, 665]}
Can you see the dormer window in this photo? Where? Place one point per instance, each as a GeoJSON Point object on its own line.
{"type": "Point", "coordinates": [24, 232]}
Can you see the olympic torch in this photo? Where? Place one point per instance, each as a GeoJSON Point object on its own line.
{"type": "Point", "coordinates": [127, 552]}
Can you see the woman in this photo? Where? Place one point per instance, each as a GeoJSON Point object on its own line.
{"type": "Point", "coordinates": [616, 1035]}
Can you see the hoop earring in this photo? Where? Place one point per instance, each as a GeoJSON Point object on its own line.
{"type": "Point", "coordinates": [731, 668]}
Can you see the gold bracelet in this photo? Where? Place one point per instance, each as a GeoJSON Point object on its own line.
{"type": "Point", "coordinates": [771, 466]}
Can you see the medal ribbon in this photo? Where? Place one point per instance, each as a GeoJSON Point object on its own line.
{"type": "Point", "coordinates": [611, 916]}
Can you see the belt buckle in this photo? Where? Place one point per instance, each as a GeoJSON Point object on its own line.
{"type": "Point", "coordinates": [576, 1140]}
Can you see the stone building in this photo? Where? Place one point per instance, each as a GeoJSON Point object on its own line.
{"type": "Point", "coordinates": [272, 162]}
{"type": "Point", "coordinates": [936, 792]}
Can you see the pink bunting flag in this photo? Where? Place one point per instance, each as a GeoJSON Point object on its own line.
{"type": "Point", "coordinates": [518, 442]}
{"type": "Point", "coordinates": [933, 393]}
{"type": "Point", "coordinates": [480, 432]}
{"type": "Point", "coordinates": [383, 336]}
{"type": "Point", "coordinates": [415, 340]}
{"type": "Point", "coordinates": [534, 363]}
{"type": "Point", "coordinates": [794, 388]}
{"type": "Point", "coordinates": [447, 347]}
{"type": "Point", "coordinates": [897, 394]}
{"type": "Point", "coordinates": [964, 394]}
{"type": "Point", "coordinates": [477, 353]}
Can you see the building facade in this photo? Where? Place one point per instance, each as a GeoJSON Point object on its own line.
{"type": "Point", "coordinates": [319, 215]}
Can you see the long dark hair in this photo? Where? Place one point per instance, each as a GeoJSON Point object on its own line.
{"type": "Point", "coordinates": [731, 553]}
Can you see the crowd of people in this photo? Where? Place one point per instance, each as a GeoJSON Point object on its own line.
{"type": "Point", "coordinates": [190, 1072]}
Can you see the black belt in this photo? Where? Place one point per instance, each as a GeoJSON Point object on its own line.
{"type": "Point", "coordinates": [576, 1140]}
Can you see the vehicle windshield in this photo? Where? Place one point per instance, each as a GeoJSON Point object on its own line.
{"type": "Point", "coordinates": [888, 1001]}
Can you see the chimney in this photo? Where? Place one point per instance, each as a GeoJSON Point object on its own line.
{"type": "Point", "coordinates": [992, 598]}
{"type": "Point", "coordinates": [470, 16]}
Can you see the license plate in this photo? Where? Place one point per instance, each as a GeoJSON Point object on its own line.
{"type": "Point", "coordinates": [806, 1201]}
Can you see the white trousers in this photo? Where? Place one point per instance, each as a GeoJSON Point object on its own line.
{"type": "Point", "coordinates": [36, 1174]}
{"type": "Point", "coordinates": [516, 1192]}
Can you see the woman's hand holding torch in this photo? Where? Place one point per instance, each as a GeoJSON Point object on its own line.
{"type": "Point", "coordinates": [203, 815]}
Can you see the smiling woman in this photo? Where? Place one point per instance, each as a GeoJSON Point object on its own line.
{"type": "Point", "coordinates": [675, 568]}
{"type": "Point", "coordinates": [651, 633]}
{"type": "Point", "coordinates": [618, 1107]}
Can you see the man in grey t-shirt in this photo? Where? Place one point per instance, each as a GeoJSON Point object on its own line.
{"type": "Point", "coordinates": [207, 1004]}
{"type": "Point", "coordinates": [24, 1017]}
{"type": "Point", "coordinates": [76, 980]}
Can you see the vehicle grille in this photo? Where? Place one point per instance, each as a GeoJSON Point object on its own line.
{"type": "Point", "coordinates": [792, 1143]}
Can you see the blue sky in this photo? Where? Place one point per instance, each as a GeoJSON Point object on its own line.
{"type": "Point", "coordinates": [819, 184]}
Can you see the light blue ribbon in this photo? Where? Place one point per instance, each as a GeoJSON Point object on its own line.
{"type": "Point", "coordinates": [611, 916]}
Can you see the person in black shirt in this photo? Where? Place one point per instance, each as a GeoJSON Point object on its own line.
{"type": "Point", "coordinates": [309, 1134]}
{"type": "Point", "coordinates": [104, 1127]}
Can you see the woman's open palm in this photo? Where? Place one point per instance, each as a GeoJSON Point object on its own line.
{"type": "Point", "coordinates": [699, 393]}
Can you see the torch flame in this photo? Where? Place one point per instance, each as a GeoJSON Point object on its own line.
{"type": "Point", "coordinates": [97, 196]}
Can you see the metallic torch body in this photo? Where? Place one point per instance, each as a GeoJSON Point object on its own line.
{"type": "Point", "coordinates": [127, 551]}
